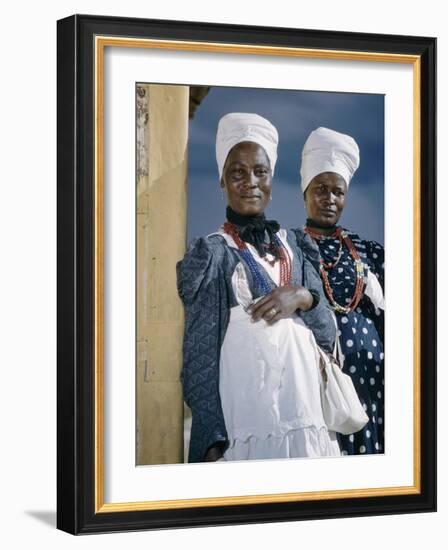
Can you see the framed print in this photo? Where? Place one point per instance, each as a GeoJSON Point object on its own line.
{"type": "Point", "coordinates": [198, 337]}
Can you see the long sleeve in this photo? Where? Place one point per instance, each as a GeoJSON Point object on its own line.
{"type": "Point", "coordinates": [375, 256]}
{"type": "Point", "coordinates": [202, 291]}
{"type": "Point", "coordinates": [375, 259]}
{"type": "Point", "coordinates": [320, 318]}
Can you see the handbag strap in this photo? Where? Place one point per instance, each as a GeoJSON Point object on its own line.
{"type": "Point", "coordinates": [337, 350]}
{"type": "Point", "coordinates": [328, 359]}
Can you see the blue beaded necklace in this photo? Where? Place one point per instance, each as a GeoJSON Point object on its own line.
{"type": "Point", "coordinates": [259, 277]}
{"type": "Point", "coordinates": [260, 280]}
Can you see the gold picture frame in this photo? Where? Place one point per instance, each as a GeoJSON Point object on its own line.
{"type": "Point", "coordinates": [82, 41]}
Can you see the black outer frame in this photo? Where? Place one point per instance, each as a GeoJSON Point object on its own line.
{"type": "Point", "coordinates": [75, 295]}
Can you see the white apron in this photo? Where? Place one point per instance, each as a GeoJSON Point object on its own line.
{"type": "Point", "coordinates": [270, 385]}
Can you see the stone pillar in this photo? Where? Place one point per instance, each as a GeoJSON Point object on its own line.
{"type": "Point", "coordinates": [162, 140]}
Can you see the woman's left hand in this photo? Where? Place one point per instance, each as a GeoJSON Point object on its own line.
{"type": "Point", "coordinates": [281, 303]}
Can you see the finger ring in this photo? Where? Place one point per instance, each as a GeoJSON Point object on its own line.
{"type": "Point", "coordinates": [273, 312]}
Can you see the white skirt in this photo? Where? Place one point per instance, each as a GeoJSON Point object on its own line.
{"type": "Point", "coordinates": [270, 391]}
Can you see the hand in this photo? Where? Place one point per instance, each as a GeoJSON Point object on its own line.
{"type": "Point", "coordinates": [281, 303]}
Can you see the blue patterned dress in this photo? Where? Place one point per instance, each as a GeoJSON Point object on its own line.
{"type": "Point", "coordinates": [361, 333]}
{"type": "Point", "coordinates": [204, 279]}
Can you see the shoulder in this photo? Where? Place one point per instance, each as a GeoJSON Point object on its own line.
{"type": "Point", "coordinates": [200, 264]}
{"type": "Point", "coordinates": [303, 240]}
{"type": "Point", "coordinates": [371, 252]}
{"type": "Point", "coordinates": [373, 249]}
{"type": "Point", "coordinates": [307, 245]}
{"type": "Point", "coordinates": [202, 252]}
{"type": "Point", "coordinates": [211, 245]}
{"type": "Point", "coordinates": [288, 236]}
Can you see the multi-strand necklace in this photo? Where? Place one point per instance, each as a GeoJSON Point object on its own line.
{"type": "Point", "coordinates": [259, 278]}
{"type": "Point", "coordinates": [343, 238]}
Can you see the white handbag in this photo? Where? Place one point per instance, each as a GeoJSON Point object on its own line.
{"type": "Point", "coordinates": [341, 407]}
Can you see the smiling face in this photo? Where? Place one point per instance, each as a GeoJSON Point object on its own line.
{"type": "Point", "coordinates": [247, 179]}
{"type": "Point", "coordinates": [325, 198]}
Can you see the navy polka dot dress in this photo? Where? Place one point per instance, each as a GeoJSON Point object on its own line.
{"type": "Point", "coordinates": [361, 336]}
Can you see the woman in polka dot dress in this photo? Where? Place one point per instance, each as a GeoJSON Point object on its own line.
{"type": "Point", "coordinates": [352, 272]}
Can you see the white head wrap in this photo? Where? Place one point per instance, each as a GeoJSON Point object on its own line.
{"type": "Point", "coordinates": [328, 151]}
{"type": "Point", "coordinates": [235, 128]}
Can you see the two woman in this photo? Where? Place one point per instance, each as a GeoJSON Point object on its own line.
{"type": "Point", "coordinates": [352, 272]}
{"type": "Point", "coordinates": [254, 311]}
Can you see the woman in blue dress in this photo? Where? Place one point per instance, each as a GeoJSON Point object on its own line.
{"type": "Point", "coordinates": [254, 312]}
{"type": "Point", "coordinates": [352, 273]}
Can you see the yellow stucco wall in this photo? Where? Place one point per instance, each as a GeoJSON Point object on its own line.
{"type": "Point", "coordinates": [161, 238]}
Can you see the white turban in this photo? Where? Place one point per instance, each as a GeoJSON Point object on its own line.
{"type": "Point", "coordinates": [328, 151]}
{"type": "Point", "coordinates": [235, 128]}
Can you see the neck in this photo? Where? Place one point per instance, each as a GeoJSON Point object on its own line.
{"type": "Point", "coordinates": [325, 230]}
{"type": "Point", "coordinates": [240, 219]}
{"type": "Point", "coordinates": [255, 230]}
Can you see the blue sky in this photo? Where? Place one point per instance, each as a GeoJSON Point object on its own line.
{"type": "Point", "coordinates": [295, 114]}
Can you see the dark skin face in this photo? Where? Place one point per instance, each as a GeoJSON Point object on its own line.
{"type": "Point", "coordinates": [325, 200]}
{"type": "Point", "coordinates": [247, 179]}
